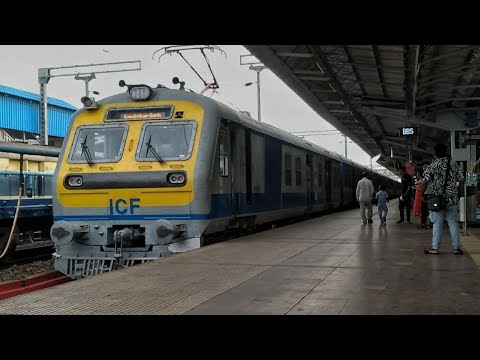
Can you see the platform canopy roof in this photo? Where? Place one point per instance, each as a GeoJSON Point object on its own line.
{"type": "Point", "coordinates": [370, 92]}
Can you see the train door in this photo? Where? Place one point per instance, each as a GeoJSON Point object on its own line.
{"type": "Point", "coordinates": [248, 167]}
{"type": "Point", "coordinates": [353, 187]}
{"type": "Point", "coordinates": [320, 181]}
{"type": "Point", "coordinates": [234, 171]}
{"type": "Point", "coordinates": [341, 182]}
{"type": "Point", "coordinates": [328, 180]}
{"type": "Point", "coordinates": [309, 177]}
{"type": "Point", "coordinates": [226, 167]}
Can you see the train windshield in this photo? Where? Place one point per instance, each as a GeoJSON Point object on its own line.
{"type": "Point", "coordinates": [169, 141]}
{"type": "Point", "coordinates": [94, 144]}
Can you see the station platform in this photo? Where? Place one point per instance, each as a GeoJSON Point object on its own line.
{"type": "Point", "coordinates": [327, 265]}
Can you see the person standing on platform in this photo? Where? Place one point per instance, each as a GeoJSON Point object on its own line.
{"type": "Point", "coordinates": [405, 201]}
{"type": "Point", "coordinates": [365, 192]}
{"type": "Point", "coordinates": [444, 183]}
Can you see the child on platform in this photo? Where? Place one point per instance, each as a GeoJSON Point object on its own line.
{"type": "Point", "coordinates": [382, 199]}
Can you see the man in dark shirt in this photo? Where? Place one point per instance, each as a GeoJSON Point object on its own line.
{"type": "Point", "coordinates": [406, 196]}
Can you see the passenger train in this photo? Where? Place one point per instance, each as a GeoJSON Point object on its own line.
{"type": "Point", "coordinates": [154, 171]}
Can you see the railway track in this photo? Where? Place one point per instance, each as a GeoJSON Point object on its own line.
{"type": "Point", "coordinates": [28, 254]}
{"type": "Point", "coordinates": [28, 268]}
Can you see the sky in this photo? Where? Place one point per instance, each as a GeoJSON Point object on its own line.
{"type": "Point", "coordinates": [280, 106]}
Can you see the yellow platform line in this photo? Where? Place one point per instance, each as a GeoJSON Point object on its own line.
{"type": "Point", "coordinates": [471, 244]}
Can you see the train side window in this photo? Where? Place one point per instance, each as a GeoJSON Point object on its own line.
{"type": "Point", "coordinates": [223, 161]}
{"type": "Point", "coordinates": [288, 169]}
{"type": "Point", "coordinates": [298, 171]}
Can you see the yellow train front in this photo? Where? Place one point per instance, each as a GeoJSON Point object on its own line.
{"type": "Point", "coordinates": [124, 183]}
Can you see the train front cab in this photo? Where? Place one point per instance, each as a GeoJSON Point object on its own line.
{"type": "Point", "coordinates": [120, 196]}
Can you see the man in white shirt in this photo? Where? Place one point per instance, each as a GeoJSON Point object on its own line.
{"type": "Point", "coordinates": [365, 192]}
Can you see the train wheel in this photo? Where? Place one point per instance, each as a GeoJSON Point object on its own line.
{"type": "Point", "coordinates": [4, 234]}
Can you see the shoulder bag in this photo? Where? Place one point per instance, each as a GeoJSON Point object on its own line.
{"type": "Point", "coordinates": [438, 202]}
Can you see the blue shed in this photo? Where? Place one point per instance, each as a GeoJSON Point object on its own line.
{"type": "Point", "coordinates": [20, 110]}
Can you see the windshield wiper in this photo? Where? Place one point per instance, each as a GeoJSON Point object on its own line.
{"type": "Point", "coordinates": [150, 147]}
{"type": "Point", "coordinates": [86, 151]}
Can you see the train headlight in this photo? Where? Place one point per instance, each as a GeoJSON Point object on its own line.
{"type": "Point", "coordinates": [142, 92]}
{"type": "Point", "coordinates": [89, 103]}
{"type": "Point", "coordinates": [176, 178]}
{"type": "Point", "coordinates": [74, 181]}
